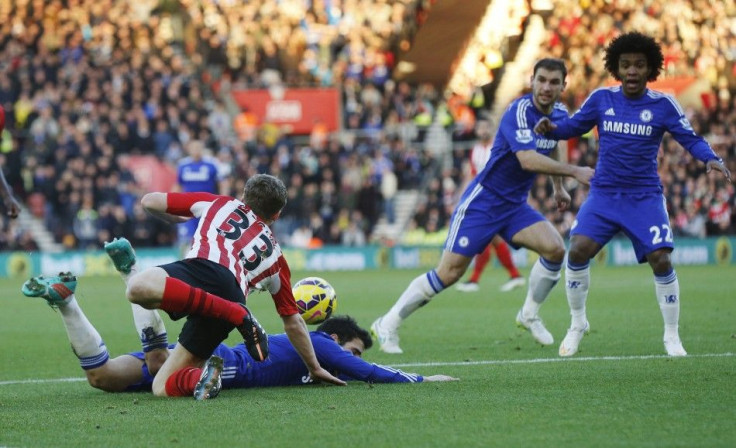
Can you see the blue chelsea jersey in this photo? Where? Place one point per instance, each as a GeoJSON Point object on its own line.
{"type": "Point", "coordinates": [201, 175]}
{"type": "Point", "coordinates": [630, 132]}
{"type": "Point", "coordinates": [284, 367]}
{"type": "Point", "coordinates": [503, 173]}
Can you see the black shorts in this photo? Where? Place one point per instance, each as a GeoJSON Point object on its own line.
{"type": "Point", "coordinates": [200, 335]}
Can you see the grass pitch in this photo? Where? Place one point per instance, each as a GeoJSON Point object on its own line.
{"type": "Point", "coordinates": [618, 391]}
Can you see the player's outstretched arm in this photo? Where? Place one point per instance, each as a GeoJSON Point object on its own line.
{"type": "Point", "coordinates": [718, 165]}
{"type": "Point", "coordinates": [439, 378]}
{"type": "Point", "coordinates": [156, 204]}
{"type": "Point", "coordinates": [531, 160]}
{"type": "Point", "coordinates": [296, 330]}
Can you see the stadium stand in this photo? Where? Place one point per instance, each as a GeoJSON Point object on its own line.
{"type": "Point", "coordinates": [96, 88]}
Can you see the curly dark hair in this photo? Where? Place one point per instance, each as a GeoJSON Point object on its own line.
{"type": "Point", "coordinates": [634, 42]}
{"type": "Point", "coordinates": [346, 330]}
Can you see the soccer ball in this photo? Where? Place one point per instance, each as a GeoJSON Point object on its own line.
{"type": "Point", "coordinates": [315, 298]}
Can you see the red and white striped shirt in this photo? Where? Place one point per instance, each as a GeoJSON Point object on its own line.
{"type": "Point", "coordinates": [479, 156]}
{"type": "Point", "coordinates": [230, 234]}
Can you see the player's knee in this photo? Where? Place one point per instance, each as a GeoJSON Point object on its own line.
{"type": "Point", "coordinates": [139, 291]}
{"type": "Point", "coordinates": [155, 359]}
{"type": "Point", "coordinates": [556, 253]}
{"type": "Point", "coordinates": [135, 292]}
{"type": "Point", "coordinates": [660, 261]}
{"type": "Point", "coordinates": [158, 388]}
{"type": "Point", "coordinates": [577, 254]}
{"type": "Point", "coordinates": [100, 381]}
{"type": "Point", "coordinates": [450, 274]}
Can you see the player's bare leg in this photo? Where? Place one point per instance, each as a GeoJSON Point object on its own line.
{"type": "Point", "coordinates": [117, 374]}
{"type": "Point", "coordinates": [148, 323]}
{"type": "Point", "coordinates": [542, 238]}
{"type": "Point", "coordinates": [480, 263]}
{"type": "Point", "coordinates": [165, 381]}
{"type": "Point", "coordinates": [86, 342]}
{"type": "Point", "coordinates": [504, 257]}
{"type": "Point", "coordinates": [419, 292]}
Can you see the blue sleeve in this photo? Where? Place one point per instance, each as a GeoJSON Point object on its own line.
{"type": "Point", "coordinates": [682, 131]}
{"type": "Point", "coordinates": [580, 122]}
{"type": "Point", "coordinates": [335, 359]}
{"type": "Point", "coordinates": [515, 127]}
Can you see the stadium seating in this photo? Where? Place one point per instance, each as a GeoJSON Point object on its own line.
{"type": "Point", "coordinates": [89, 85]}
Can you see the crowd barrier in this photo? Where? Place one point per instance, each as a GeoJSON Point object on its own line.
{"type": "Point", "coordinates": [619, 252]}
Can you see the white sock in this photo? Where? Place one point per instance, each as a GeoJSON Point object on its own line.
{"type": "Point", "coordinates": [419, 292]}
{"type": "Point", "coordinates": [150, 328]}
{"type": "Point", "coordinates": [577, 285]}
{"type": "Point", "coordinates": [86, 341]}
{"type": "Point", "coordinates": [148, 324]}
{"type": "Point", "coordinates": [667, 289]}
{"type": "Point", "coordinates": [542, 278]}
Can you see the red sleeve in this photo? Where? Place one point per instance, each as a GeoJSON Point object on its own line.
{"type": "Point", "coordinates": [181, 203]}
{"type": "Point", "coordinates": [284, 298]}
{"type": "Point", "coordinates": [2, 118]}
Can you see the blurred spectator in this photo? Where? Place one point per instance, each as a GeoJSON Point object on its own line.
{"type": "Point", "coordinates": [87, 83]}
{"type": "Point", "coordinates": [196, 172]}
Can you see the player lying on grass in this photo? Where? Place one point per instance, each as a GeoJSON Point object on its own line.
{"type": "Point", "coordinates": [338, 342]}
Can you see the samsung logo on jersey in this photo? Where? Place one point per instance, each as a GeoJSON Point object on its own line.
{"type": "Point", "coordinates": [544, 143]}
{"type": "Point", "coordinates": [627, 128]}
{"type": "Point", "coordinates": [201, 174]}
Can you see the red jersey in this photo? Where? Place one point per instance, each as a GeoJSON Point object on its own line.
{"type": "Point", "coordinates": [230, 234]}
{"type": "Point", "coordinates": [479, 156]}
{"type": "Point", "coordinates": [2, 119]}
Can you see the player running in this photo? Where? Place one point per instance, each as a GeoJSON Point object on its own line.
{"type": "Point", "coordinates": [626, 193]}
{"type": "Point", "coordinates": [479, 156]}
{"type": "Point", "coordinates": [495, 203]}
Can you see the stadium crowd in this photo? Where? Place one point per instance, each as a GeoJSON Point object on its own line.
{"type": "Point", "coordinates": [698, 41]}
{"type": "Point", "coordinates": [87, 84]}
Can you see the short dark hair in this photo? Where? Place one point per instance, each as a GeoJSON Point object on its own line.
{"type": "Point", "coordinates": [635, 42]}
{"type": "Point", "coordinates": [551, 64]}
{"type": "Point", "coordinates": [265, 195]}
{"type": "Point", "coordinates": [346, 330]}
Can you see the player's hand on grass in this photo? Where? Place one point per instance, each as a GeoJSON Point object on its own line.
{"type": "Point", "coordinates": [323, 376]}
{"type": "Point", "coordinates": [717, 164]}
{"type": "Point", "coordinates": [438, 378]}
{"type": "Point", "coordinates": [544, 125]}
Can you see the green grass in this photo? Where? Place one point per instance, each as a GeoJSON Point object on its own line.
{"type": "Point", "coordinates": [618, 391]}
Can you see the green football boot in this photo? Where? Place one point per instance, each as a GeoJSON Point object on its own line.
{"type": "Point", "coordinates": [55, 290]}
{"type": "Point", "coordinates": [121, 253]}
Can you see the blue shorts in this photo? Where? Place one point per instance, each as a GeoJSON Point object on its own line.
{"type": "Point", "coordinates": [481, 215]}
{"type": "Point", "coordinates": [145, 384]}
{"type": "Point", "coordinates": [641, 216]}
